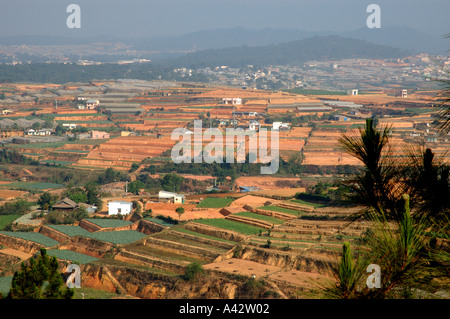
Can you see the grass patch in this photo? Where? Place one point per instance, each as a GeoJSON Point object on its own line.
{"type": "Point", "coordinates": [232, 225]}
{"type": "Point", "coordinates": [91, 293]}
{"type": "Point", "coordinates": [215, 202]}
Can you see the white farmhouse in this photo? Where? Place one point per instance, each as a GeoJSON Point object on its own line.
{"type": "Point", "coordinates": [92, 104]}
{"type": "Point", "coordinates": [117, 207]}
{"type": "Point", "coordinates": [173, 197]}
{"type": "Point", "coordinates": [254, 126]}
{"type": "Point", "coordinates": [232, 101]}
{"type": "Point", "coordinates": [280, 126]}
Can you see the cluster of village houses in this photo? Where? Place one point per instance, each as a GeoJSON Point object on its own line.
{"type": "Point", "coordinates": [117, 207]}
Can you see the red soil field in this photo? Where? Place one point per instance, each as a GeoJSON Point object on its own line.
{"type": "Point", "coordinates": [191, 211]}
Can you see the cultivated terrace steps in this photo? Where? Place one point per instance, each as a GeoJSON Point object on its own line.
{"type": "Point", "coordinates": [298, 207]}
{"type": "Point", "coordinates": [202, 240]}
{"type": "Point", "coordinates": [142, 259]}
{"type": "Point", "coordinates": [272, 213]}
{"type": "Point", "coordinates": [181, 249]}
{"type": "Point", "coordinates": [250, 221]}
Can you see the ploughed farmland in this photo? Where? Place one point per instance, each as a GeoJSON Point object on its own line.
{"type": "Point", "coordinates": [121, 152]}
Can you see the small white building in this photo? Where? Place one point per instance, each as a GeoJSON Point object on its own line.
{"type": "Point", "coordinates": [118, 207]}
{"type": "Point", "coordinates": [173, 197]}
{"type": "Point", "coordinates": [92, 104]}
{"type": "Point", "coordinates": [352, 92]}
{"type": "Point", "coordinates": [254, 126]}
{"type": "Point", "coordinates": [280, 126]}
{"type": "Point", "coordinates": [41, 132]}
{"type": "Point", "coordinates": [70, 126]}
{"type": "Point", "coordinates": [232, 101]}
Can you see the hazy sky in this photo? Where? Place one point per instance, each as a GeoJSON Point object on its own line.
{"type": "Point", "coordinates": [140, 18]}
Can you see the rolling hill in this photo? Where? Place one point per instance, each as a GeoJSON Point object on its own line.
{"type": "Point", "coordinates": [289, 53]}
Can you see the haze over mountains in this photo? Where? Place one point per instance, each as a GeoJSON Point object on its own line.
{"type": "Point", "coordinates": [289, 53]}
{"type": "Point", "coordinates": [400, 37]}
{"type": "Point", "coordinates": [404, 38]}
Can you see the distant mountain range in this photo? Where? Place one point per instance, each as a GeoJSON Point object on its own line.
{"type": "Point", "coordinates": [399, 37]}
{"type": "Point", "coordinates": [290, 53]}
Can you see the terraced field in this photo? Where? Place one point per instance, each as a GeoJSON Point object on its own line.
{"type": "Point", "coordinates": [289, 211]}
{"type": "Point", "coordinates": [274, 241]}
{"type": "Point", "coordinates": [33, 237]}
{"type": "Point", "coordinates": [114, 237]}
{"type": "Point", "coordinates": [235, 226]}
{"type": "Point", "coordinates": [215, 202]}
{"type": "Point", "coordinates": [173, 249]}
{"type": "Point", "coordinates": [107, 223]}
{"type": "Point", "coordinates": [269, 219]}
{"type": "Point", "coordinates": [70, 255]}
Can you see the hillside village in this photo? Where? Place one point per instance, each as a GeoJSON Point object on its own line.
{"type": "Point", "coordinates": [140, 220]}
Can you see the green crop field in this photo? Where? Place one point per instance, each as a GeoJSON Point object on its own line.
{"type": "Point", "coordinates": [118, 237]}
{"type": "Point", "coordinates": [215, 202]}
{"type": "Point", "coordinates": [281, 210]}
{"type": "Point", "coordinates": [52, 162]}
{"type": "Point", "coordinates": [264, 218]}
{"type": "Point", "coordinates": [31, 236]}
{"type": "Point", "coordinates": [32, 185]}
{"type": "Point", "coordinates": [334, 126]}
{"type": "Point", "coordinates": [70, 255]}
{"type": "Point", "coordinates": [300, 201]}
{"type": "Point", "coordinates": [115, 237]}
{"type": "Point", "coordinates": [71, 151]}
{"type": "Point", "coordinates": [190, 232]}
{"type": "Point", "coordinates": [198, 107]}
{"type": "Point", "coordinates": [159, 221]}
{"type": "Point", "coordinates": [232, 225]}
{"type": "Point", "coordinates": [85, 122]}
{"type": "Point", "coordinates": [6, 219]}
{"type": "Point", "coordinates": [105, 223]}
{"type": "Point", "coordinates": [38, 145]}
{"type": "Point", "coordinates": [71, 230]}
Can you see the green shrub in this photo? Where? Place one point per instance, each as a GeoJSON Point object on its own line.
{"type": "Point", "coordinates": [192, 271]}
